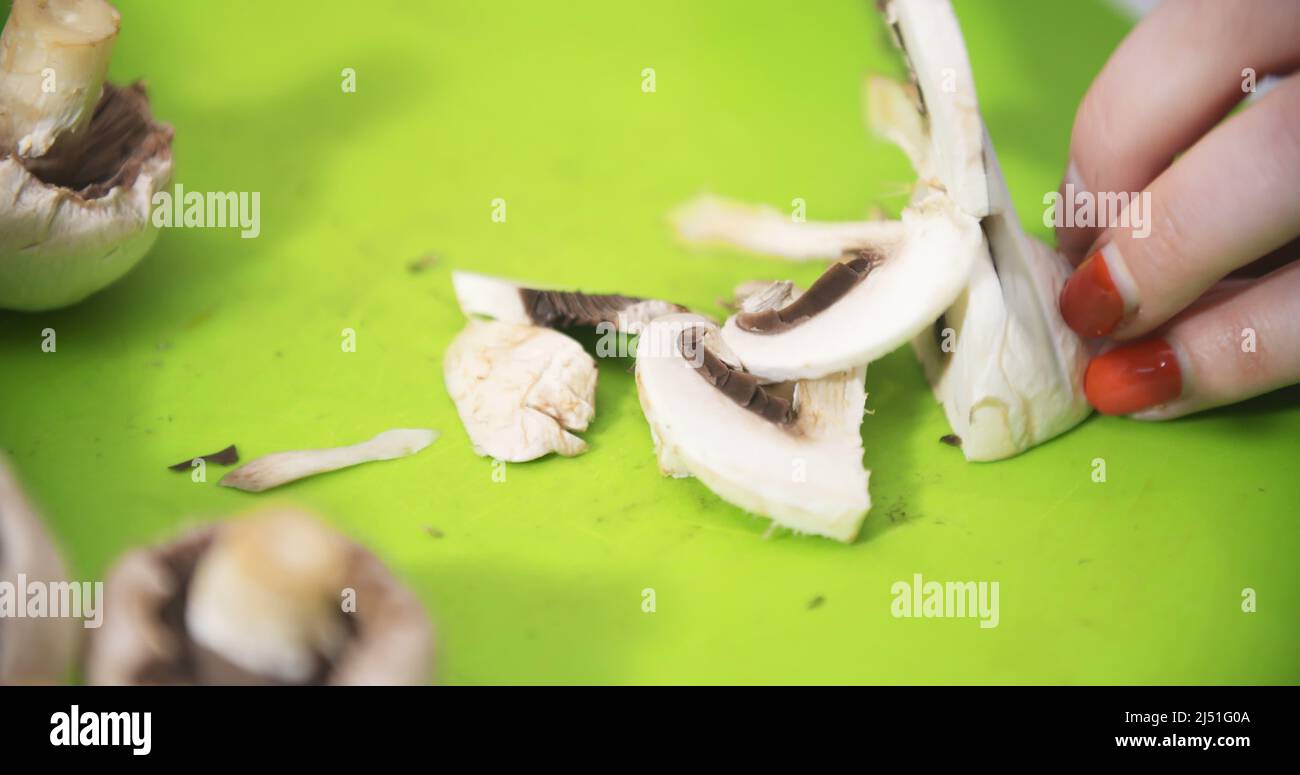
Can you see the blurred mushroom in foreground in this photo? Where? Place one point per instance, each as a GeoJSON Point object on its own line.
{"type": "Point", "coordinates": [274, 597]}
{"type": "Point", "coordinates": [33, 650]}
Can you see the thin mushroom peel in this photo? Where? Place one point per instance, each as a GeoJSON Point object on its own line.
{"type": "Point", "coordinates": [79, 164]}
{"type": "Point", "coordinates": [794, 456]}
{"type": "Point", "coordinates": [1003, 364]}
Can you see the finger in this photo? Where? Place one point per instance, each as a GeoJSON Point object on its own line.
{"type": "Point", "coordinates": [1169, 82]}
{"type": "Point", "coordinates": [1240, 345]}
{"type": "Point", "coordinates": [1232, 198]}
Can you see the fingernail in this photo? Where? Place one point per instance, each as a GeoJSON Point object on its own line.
{"type": "Point", "coordinates": [1134, 377]}
{"type": "Point", "coordinates": [1090, 302]}
{"type": "Point", "coordinates": [1072, 241]}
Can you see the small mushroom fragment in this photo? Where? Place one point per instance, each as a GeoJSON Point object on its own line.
{"type": "Point", "coordinates": [80, 159]}
{"type": "Point", "coordinates": [1013, 377]}
{"type": "Point", "coordinates": [223, 457]}
{"type": "Point", "coordinates": [877, 298]}
{"type": "Point", "coordinates": [760, 295]}
{"type": "Point", "coordinates": [280, 468]}
{"type": "Point", "coordinates": [789, 452]}
{"type": "Point", "coordinates": [520, 389]}
{"type": "Point", "coordinates": [33, 650]}
{"type": "Point", "coordinates": [261, 599]}
{"type": "Point", "coordinates": [510, 303]}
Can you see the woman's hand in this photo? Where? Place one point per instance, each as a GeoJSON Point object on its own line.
{"type": "Point", "coordinates": [1223, 194]}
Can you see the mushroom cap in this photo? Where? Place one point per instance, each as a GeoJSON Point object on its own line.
{"type": "Point", "coordinates": [807, 476]}
{"type": "Point", "coordinates": [60, 243]}
{"type": "Point", "coordinates": [144, 638]}
{"type": "Point", "coordinates": [32, 650]}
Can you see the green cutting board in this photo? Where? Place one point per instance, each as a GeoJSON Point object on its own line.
{"type": "Point", "coordinates": [215, 339]}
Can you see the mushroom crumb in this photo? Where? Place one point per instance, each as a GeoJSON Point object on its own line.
{"type": "Point", "coordinates": [224, 457]}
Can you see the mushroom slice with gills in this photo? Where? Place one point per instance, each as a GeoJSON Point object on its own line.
{"type": "Point", "coordinates": [258, 600]}
{"type": "Point", "coordinates": [1013, 375]}
{"type": "Point", "coordinates": [793, 455]}
{"type": "Point", "coordinates": [875, 299]}
{"type": "Point", "coordinates": [80, 159]}
{"type": "Point", "coordinates": [508, 302]}
{"type": "Point", "coordinates": [33, 649]}
{"type": "Point", "coordinates": [520, 389]}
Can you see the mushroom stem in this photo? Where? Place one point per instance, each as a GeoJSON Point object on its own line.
{"type": "Point", "coordinates": [54, 55]}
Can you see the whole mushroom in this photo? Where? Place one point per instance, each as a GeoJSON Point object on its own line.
{"type": "Point", "coordinates": [275, 597]}
{"type": "Point", "coordinates": [80, 159]}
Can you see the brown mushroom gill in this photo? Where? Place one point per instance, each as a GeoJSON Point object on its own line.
{"type": "Point", "coordinates": [120, 139]}
{"type": "Point", "coordinates": [740, 387]}
{"type": "Point", "coordinates": [833, 285]}
{"type": "Point", "coordinates": [564, 309]}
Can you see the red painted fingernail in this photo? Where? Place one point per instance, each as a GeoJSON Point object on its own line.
{"type": "Point", "coordinates": [1134, 377]}
{"type": "Point", "coordinates": [1090, 302]}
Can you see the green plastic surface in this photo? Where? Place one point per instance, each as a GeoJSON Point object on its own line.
{"type": "Point", "coordinates": [214, 340]}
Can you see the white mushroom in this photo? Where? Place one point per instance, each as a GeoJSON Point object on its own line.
{"type": "Point", "coordinates": [796, 459]}
{"type": "Point", "coordinates": [274, 597]}
{"type": "Point", "coordinates": [520, 389]}
{"type": "Point", "coordinates": [80, 160]}
{"type": "Point", "coordinates": [267, 595]}
{"type": "Point", "coordinates": [33, 650]}
{"type": "Point", "coordinates": [1013, 377]}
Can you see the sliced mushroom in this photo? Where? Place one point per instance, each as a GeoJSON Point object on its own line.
{"type": "Point", "coordinates": [1013, 378]}
{"type": "Point", "coordinates": [510, 303]}
{"type": "Point", "coordinates": [80, 159]}
{"type": "Point", "coordinates": [520, 389]}
{"type": "Point", "coordinates": [879, 297]}
{"type": "Point", "coordinates": [792, 453]}
{"type": "Point", "coordinates": [33, 650]}
{"type": "Point", "coordinates": [262, 599]}
{"type": "Point", "coordinates": [1013, 375]}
